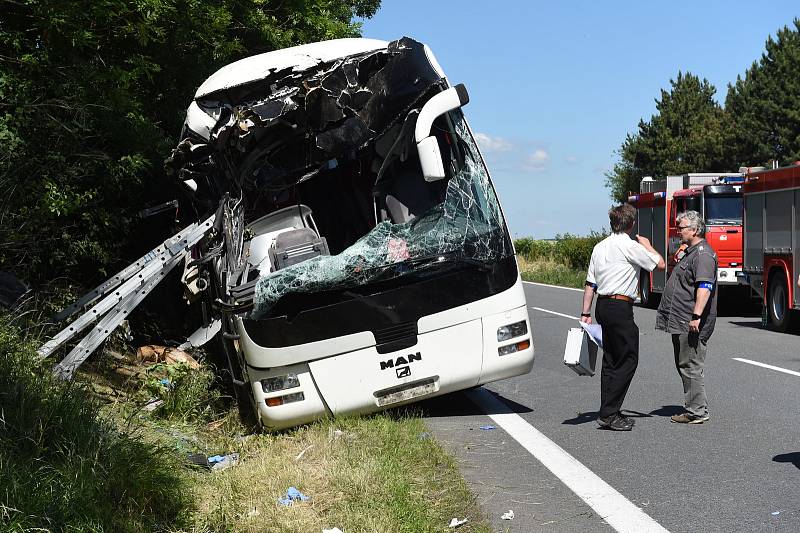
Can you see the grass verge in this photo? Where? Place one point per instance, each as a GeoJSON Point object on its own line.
{"type": "Point", "coordinates": [551, 272]}
{"type": "Point", "coordinates": [71, 463]}
{"type": "Point", "coordinates": [65, 467]}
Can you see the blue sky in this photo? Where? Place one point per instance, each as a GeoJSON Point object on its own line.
{"type": "Point", "coordinates": [555, 86]}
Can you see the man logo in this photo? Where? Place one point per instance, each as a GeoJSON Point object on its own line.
{"type": "Point", "coordinates": [410, 358]}
{"type": "Point", "coordinates": [403, 371]}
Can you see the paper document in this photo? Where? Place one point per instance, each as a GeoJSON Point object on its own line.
{"type": "Point", "coordinates": [595, 332]}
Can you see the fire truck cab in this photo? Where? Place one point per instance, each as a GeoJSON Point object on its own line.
{"type": "Point", "coordinates": [716, 196]}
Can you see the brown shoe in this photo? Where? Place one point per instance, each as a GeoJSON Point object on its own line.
{"type": "Point", "coordinates": [689, 418]}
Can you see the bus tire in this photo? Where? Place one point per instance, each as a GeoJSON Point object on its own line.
{"type": "Point", "coordinates": [778, 311]}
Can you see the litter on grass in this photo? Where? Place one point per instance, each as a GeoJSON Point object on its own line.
{"type": "Point", "coordinates": [455, 522]}
{"type": "Point", "coordinates": [292, 495]}
{"type": "Point", "coordinates": [509, 515]}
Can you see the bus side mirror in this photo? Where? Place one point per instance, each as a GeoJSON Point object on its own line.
{"type": "Point", "coordinates": [430, 157]}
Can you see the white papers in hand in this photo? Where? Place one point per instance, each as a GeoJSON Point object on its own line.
{"type": "Point", "coordinates": [595, 333]}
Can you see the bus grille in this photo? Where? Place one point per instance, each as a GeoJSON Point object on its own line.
{"type": "Point", "coordinates": [396, 337]}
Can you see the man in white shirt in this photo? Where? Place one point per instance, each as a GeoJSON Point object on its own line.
{"type": "Point", "coordinates": [614, 275]}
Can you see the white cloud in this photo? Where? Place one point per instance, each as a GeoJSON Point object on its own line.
{"type": "Point", "coordinates": [493, 144]}
{"type": "Point", "coordinates": [537, 160]}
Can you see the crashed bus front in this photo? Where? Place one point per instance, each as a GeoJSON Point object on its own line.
{"type": "Point", "coordinates": [361, 258]}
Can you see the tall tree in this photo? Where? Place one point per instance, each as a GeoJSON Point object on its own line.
{"type": "Point", "coordinates": [688, 133]}
{"type": "Point", "coordinates": [764, 106]}
{"type": "Point", "coordinates": [92, 96]}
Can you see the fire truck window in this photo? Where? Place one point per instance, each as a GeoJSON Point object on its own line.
{"type": "Point", "coordinates": [723, 210]}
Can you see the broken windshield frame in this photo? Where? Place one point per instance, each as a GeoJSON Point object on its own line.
{"type": "Point", "coordinates": [466, 228]}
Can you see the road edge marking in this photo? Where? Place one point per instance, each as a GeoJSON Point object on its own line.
{"type": "Point", "coordinates": [765, 365]}
{"type": "Point", "coordinates": [619, 512]}
{"type": "Point", "coordinates": [554, 313]}
{"type": "Point", "coordinates": [553, 286]}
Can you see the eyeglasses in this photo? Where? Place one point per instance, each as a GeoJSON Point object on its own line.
{"type": "Point", "coordinates": [681, 228]}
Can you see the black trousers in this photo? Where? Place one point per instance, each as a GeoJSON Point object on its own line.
{"type": "Point", "coordinates": [620, 352]}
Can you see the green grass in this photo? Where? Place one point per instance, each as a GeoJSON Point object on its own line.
{"type": "Point", "coordinates": [70, 463]}
{"type": "Point", "coordinates": [551, 272]}
{"type": "Point", "coordinates": [65, 467]}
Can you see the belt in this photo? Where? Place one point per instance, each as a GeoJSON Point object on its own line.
{"type": "Point", "coordinates": [615, 297]}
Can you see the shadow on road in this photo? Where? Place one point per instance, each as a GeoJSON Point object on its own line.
{"type": "Point", "coordinates": [591, 416]}
{"type": "Point", "coordinates": [668, 410]}
{"type": "Point", "coordinates": [457, 404]}
{"type": "Point", "coordinates": [793, 457]}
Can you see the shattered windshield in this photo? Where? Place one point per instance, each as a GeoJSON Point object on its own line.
{"type": "Point", "coordinates": [467, 229]}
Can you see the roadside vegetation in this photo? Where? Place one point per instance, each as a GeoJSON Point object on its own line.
{"type": "Point", "coordinates": [561, 261]}
{"type": "Point", "coordinates": [90, 455]}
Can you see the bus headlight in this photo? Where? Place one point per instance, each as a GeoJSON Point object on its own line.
{"type": "Point", "coordinates": [517, 329]}
{"type": "Point", "coordinates": [276, 383]}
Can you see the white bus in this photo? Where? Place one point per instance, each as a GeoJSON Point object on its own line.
{"type": "Point", "coordinates": [361, 259]}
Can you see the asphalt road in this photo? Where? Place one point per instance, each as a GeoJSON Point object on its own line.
{"type": "Point", "coordinates": [738, 472]}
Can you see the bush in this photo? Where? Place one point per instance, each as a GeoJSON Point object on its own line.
{"type": "Point", "coordinates": [570, 250]}
{"type": "Point", "coordinates": [65, 467]}
{"type": "Point", "coordinates": [577, 251]}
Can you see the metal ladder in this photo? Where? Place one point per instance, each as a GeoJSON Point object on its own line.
{"type": "Point", "coordinates": [120, 295]}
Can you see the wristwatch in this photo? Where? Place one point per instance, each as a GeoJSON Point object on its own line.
{"type": "Point", "coordinates": [695, 317]}
{"type": "Point", "coordinates": [586, 314]}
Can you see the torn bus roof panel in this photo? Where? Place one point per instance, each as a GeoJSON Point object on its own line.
{"type": "Point", "coordinates": [298, 59]}
{"type": "Point", "coordinates": [280, 128]}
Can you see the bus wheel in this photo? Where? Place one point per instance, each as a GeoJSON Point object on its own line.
{"type": "Point", "coordinates": [778, 309]}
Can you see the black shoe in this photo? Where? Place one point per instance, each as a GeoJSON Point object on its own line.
{"type": "Point", "coordinates": [615, 422]}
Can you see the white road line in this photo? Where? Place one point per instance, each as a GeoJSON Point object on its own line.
{"type": "Point", "coordinates": [553, 286]}
{"type": "Point", "coordinates": [779, 369]}
{"type": "Point", "coordinates": [613, 507]}
{"type": "Point", "coordinates": [555, 313]}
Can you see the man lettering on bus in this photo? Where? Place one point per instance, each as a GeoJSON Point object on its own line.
{"type": "Point", "coordinates": [614, 275]}
{"type": "Point", "coordinates": [688, 310]}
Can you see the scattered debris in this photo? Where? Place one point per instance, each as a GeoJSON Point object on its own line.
{"type": "Point", "coordinates": [221, 462]}
{"type": "Point", "coordinates": [166, 382]}
{"type": "Point", "coordinates": [455, 522]}
{"type": "Point", "coordinates": [292, 495]}
{"type": "Point", "coordinates": [198, 459]}
{"type": "Point", "coordinates": [252, 512]}
{"type": "Point", "coordinates": [487, 428]}
{"type": "Point", "coordinates": [153, 404]}
{"type": "Point", "coordinates": [334, 530]}
{"type": "Point", "coordinates": [424, 435]}
{"type": "Point", "coordinates": [509, 515]}
{"type": "Point", "coordinates": [215, 462]}
{"type": "Point", "coordinates": [152, 354]}
{"type": "Point", "coordinates": [301, 454]}
{"type": "Point", "coordinates": [776, 513]}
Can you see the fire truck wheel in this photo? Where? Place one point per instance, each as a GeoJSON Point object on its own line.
{"type": "Point", "coordinates": [645, 294]}
{"type": "Point", "coordinates": [780, 314]}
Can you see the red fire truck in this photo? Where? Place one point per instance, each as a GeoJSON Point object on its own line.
{"type": "Point", "coordinates": [771, 238]}
{"type": "Point", "coordinates": [717, 196]}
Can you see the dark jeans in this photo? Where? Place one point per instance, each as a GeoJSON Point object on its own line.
{"type": "Point", "coordinates": [620, 352]}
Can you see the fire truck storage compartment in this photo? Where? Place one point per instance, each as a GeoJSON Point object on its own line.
{"type": "Point", "coordinates": [651, 221]}
{"type": "Point", "coordinates": [778, 227]}
{"type": "Point", "coordinates": [754, 231]}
